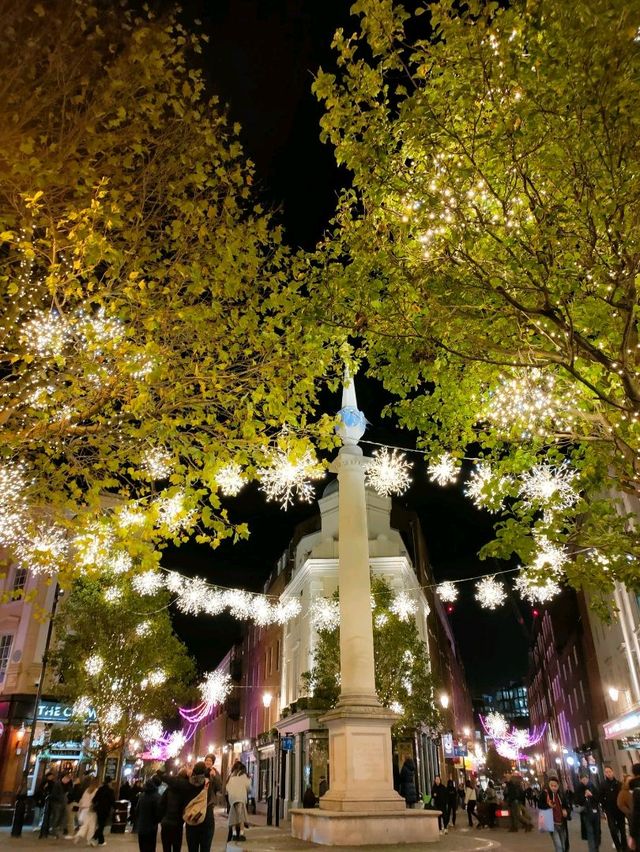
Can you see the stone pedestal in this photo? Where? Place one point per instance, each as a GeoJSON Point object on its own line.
{"type": "Point", "coordinates": [367, 828]}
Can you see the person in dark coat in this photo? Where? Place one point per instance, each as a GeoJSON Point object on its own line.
{"type": "Point", "coordinates": [452, 803]}
{"type": "Point", "coordinates": [551, 797]}
{"type": "Point", "coordinates": [634, 816]}
{"type": "Point", "coordinates": [200, 837]}
{"type": "Point", "coordinates": [408, 788]}
{"type": "Point", "coordinates": [309, 798]}
{"type": "Point", "coordinates": [102, 804]}
{"type": "Point", "coordinates": [439, 802]}
{"type": "Point", "coordinates": [148, 815]}
{"type": "Point", "coordinates": [608, 792]}
{"type": "Point", "coordinates": [587, 799]}
{"type": "Point", "coordinates": [174, 798]}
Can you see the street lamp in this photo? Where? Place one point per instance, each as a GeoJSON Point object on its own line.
{"type": "Point", "coordinates": [267, 698]}
{"type": "Point", "coordinates": [614, 693]}
{"type": "Point", "coordinates": [444, 700]}
{"type": "Point", "coordinates": [466, 732]}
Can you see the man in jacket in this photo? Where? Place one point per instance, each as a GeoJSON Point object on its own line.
{"type": "Point", "coordinates": [587, 800]}
{"type": "Point", "coordinates": [179, 791]}
{"type": "Point", "coordinates": [634, 817]}
{"type": "Point", "coordinates": [102, 804]}
{"type": "Point", "coordinates": [609, 790]}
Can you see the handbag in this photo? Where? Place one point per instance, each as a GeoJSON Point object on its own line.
{"type": "Point", "coordinates": [545, 820]}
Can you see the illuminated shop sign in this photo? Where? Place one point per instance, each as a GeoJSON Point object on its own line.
{"type": "Point", "coordinates": [627, 722]}
{"type": "Point", "coordinates": [50, 711]}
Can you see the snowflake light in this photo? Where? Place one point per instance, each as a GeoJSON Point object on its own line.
{"type": "Point", "coordinates": [447, 591]}
{"type": "Point", "coordinates": [381, 619]}
{"type": "Point", "coordinates": [230, 480]}
{"type": "Point", "coordinates": [176, 743]}
{"type": "Point", "coordinates": [388, 472]}
{"type": "Point", "coordinates": [113, 715]}
{"type": "Point", "coordinates": [157, 677]}
{"type": "Point", "coordinates": [112, 594]}
{"type": "Point", "coordinates": [325, 614]}
{"type": "Point", "coordinates": [444, 470]}
{"type": "Point", "coordinates": [403, 606]}
{"type": "Point", "coordinates": [81, 707]}
{"type": "Point", "coordinates": [129, 516]}
{"type": "Point", "coordinates": [287, 476]}
{"type": "Point", "coordinates": [158, 463]}
{"type": "Point", "coordinates": [536, 591]}
{"type": "Point", "coordinates": [215, 687]}
{"type": "Point", "coordinates": [490, 593]}
{"type": "Point", "coordinates": [192, 596]}
{"type": "Point", "coordinates": [506, 750]}
{"type": "Point", "coordinates": [119, 563]}
{"type": "Point", "coordinates": [530, 403]}
{"type": "Point", "coordinates": [286, 611]}
{"type": "Point", "coordinates": [42, 549]}
{"type": "Point", "coordinates": [173, 514]}
{"type": "Point", "coordinates": [150, 730]}
{"type": "Point", "coordinates": [396, 707]}
{"type": "Point", "coordinates": [174, 582]}
{"type": "Point", "coordinates": [549, 556]}
{"type": "Point", "coordinates": [495, 724]}
{"type": "Point", "coordinates": [147, 583]}
{"type": "Point", "coordinates": [484, 488]}
{"type": "Point", "coordinates": [93, 545]}
{"type": "Point", "coordinates": [93, 665]}
{"type": "Point", "coordinates": [46, 334]}
{"type": "Point", "coordinates": [143, 629]}
{"type": "Point", "coordinates": [14, 483]}
{"type": "Point", "coordinates": [549, 486]}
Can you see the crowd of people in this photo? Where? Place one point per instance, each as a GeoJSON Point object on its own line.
{"type": "Point", "coordinates": [180, 806]}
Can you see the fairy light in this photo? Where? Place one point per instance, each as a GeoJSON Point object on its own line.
{"type": "Point", "coordinates": [112, 594]}
{"type": "Point", "coordinates": [388, 472]}
{"type": "Point", "coordinates": [147, 583]}
{"type": "Point", "coordinates": [447, 591]}
{"type": "Point", "coordinates": [143, 629]}
{"type": "Point", "coordinates": [42, 550]}
{"type": "Point", "coordinates": [495, 724]}
{"type": "Point", "coordinates": [535, 590]}
{"type": "Point", "coordinates": [173, 514]}
{"type": "Point", "coordinates": [14, 483]}
{"type": "Point", "coordinates": [150, 730]}
{"type": "Point", "coordinates": [158, 463]}
{"type": "Point", "coordinates": [45, 335]}
{"type": "Point", "coordinates": [157, 677]}
{"type": "Point", "coordinates": [403, 606]}
{"type": "Point", "coordinates": [381, 619]}
{"type": "Point", "coordinates": [93, 665]}
{"type": "Point", "coordinates": [230, 480]}
{"type": "Point", "coordinates": [485, 488]}
{"type": "Point", "coordinates": [549, 486]}
{"type": "Point", "coordinates": [490, 593]}
{"type": "Point", "coordinates": [549, 556]}
{"type": "Point", "coordinates": [215, 687]}
{"type": "Point", "coordinates": [529, 402]}
{"type": "Point", "coordinates": [113, 715]}
{"type": "Point", "coordinates": [175, 744]}
{"type": "Point", "coordinates": [93, 546]}
{"type": "Point", "coordinates": [130, 517]}
{"type": "Point", "coordinates": [81, 707]}
{"type": "Point", "coordinates": [192, 596]}
{"type": "Point", "coordinates": [444, 470]}
{"type": "Point", "coordinates": [325, 614]}
{"type": "Point", "coordinates": [288, 476]}
{"type": "Point", "coordinates": [119, 563]}
{"type": "Point", "coordinates": [396, 707]}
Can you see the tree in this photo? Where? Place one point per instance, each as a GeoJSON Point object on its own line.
{"type": "Point", "coordinates": [150, 334]}
{"type": "Point", "coordinates": [117, 655]}
{"type": "Point", "coordinates": [496, 765]}
{"type": "Point", "coordinates": [403, 677]}
{"type": "Point", "coordinates": [487, 255]}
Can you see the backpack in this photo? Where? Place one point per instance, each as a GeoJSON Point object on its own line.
{"type": "Point", "coordinates": [196, 810]}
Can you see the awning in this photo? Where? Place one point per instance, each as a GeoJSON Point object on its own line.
{"type": "Point", "coordinates": [623, 725]}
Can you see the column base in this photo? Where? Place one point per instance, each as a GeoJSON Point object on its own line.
{"type": "Point", "coordinates": [334, 828]}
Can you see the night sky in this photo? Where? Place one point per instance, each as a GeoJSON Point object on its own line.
{"type": "Point", "coordinates": [260, 61]}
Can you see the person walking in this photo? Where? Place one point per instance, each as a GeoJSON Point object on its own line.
{"type": "Point", "coordinates": [491, 801]}
{"type": "Point", "coordinates": [57, 807]}
{"type": "Point", "coordinates": [634, 809]}
{"type": "Point", "coordinates": [608, 794]}
{"type": "Point", "coordinates": [439, 802]}
{"type": "Point", "coordinates": [86, 815]}
{"type": "Point", "coordinates": [179, 791]}
{"type": "Point", "coordinates": [587, 802]}
{"type": "Point", "coordinates": [408, 787]}
{"type": "Point", "coordinates": [238, 786]}
{"type": "Point", "coordinates": [103, 802]}
{"type": "Point", "coordinates": [452, 803]}
{"type": "Point", "coordinates": [470, 801]}
{"type": "Point", "coordinates": [200, 837]}
{"type": "Point", "coordinates": [552, 799]}
{"type": "Point", "coordinates": [148, 815]}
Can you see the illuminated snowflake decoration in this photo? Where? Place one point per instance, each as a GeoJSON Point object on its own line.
{"type": "Point", "coordinates": [396, 707]}
{"type": "Point", "coordinates": [175, 744]}
{"type": "Point", "coordinates": [113, 715]}
{"type": "Point", "coordinates": [93, 546]}
{"type": "Point", "coordinates": [286, 611]}
{"type": "Point", "coordinates": [287, 477]}
{"type": "Point", "coordinates": [157, 677]}
{"type": "Point", "coordinates": [325, 614]}
{"type": "Point", "coordinates": [130, 517]}
{"type": "Point", "coordinates": [174, 581]}
{"type": "Point", "coordinates": [495, 724]}
{"type": "Point", "coordinates": [444, 470]}
{"type": "Point", "coordinates": [158, 463]}
{"type": "Point", "coordinates": [14, 482]}
{"type": "Point", "coordinates": [403, 606]}
{"type": "Point", "coordinates": [230, 480]}
{"type": "Point", "coordinates": [506, 750]}
{"type": "Point", "coordinates": [388, 472]}
{"type": "Point", "coordinates": [151, 730]}
{"type": "Point", "coordinates": [173, 514]}
{"type": "Point", "coordinates": [485, 489]}
{"type": "Point", "coordinates": [490, 593]}
{"type": "Point", "coordinates": [81, 707]}
{"type": "Point", "coordinates": [215, 687]}
{"type": "Point", "coordinates": [192, 596]}
{"type": "Point", "coordinates": [536, 591]}
{"type": "Point", "coordinates": [143, 629]}
{"type": "Point", "coordinates": [147, 583]}
{"type": "Point", "coordinates": [381, 619]}
{"type": "Point", "coordinates": [528, 402]}
{"type": "Point", "coordinates": [119, 563]}
{"type": "Point", "coordinates": [549, 486]}
{"type": "Point", "coordinates": [42, 549]}
{"type": "Point", "coordinates": [93, 665]}
{"type": "Point", "coordinates": [447, 592]}
{"type": "Point", "coordinates": [549, 556]}
{"type": "Point", "coordinates": [112, 594]}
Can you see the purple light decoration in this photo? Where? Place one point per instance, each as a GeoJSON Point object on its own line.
{"type": "Point", "coordinates": [510, 743]}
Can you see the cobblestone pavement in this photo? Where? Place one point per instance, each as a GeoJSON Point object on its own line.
{"type": "Point", "coordinates": [262, 838]}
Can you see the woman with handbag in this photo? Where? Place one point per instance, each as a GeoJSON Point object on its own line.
{"type": "Point", "coordinates": [554, 812]}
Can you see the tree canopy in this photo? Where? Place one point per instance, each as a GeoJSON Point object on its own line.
{"type": "Point", "coordinates": [486, 256]}
{"type": "Point", "coordinates": [403, 677]}
{"type": "Point", "coordinates": [119, 657]}
{"type": "Point", "coordinates": [150, 337]}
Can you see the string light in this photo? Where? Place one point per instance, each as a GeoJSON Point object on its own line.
{"type": "Point", "coordinates": [147, 583]}
{"type": "Point", "coordinates": [287, 476]}
{"type": "Point", "coordinates": [112, 594]}
{"type": "Point", "coordinates": [325, 614]}
{"type": "Point", "coordinates": [230, 480]}
{"type": "Point", "coordinates": [143, 629]}
{"type": "Point", "coordinates": [444, 470]}
{"type": "Point", "coordinates": [157, 677]}
{"type": "Point", "coordinates": [495, 724]}
{"type": "Point", "coordinates": [81, 707]}
{"type": "Point", "coordinates": [549, 485]}
{"type": "Point", "coordinates": [447, 592]}
{"type": "Point", "coordinates": [119, 563]}
{"type": "Point", "coordinates": [403, 606]}
{"type": "Point", "coordinates": [176, 743]}
{"type": "Point", "coordinates": [490, 593]}
{"type": "Point", "coordinates": [388, 472]}
{"type": "Point", "coordinates": [549, 556]}
{"type": "Point", "coordinates": [215, 687]}
{"type": "Point", "coordinates": [14, 483]}
{"type": "Point", "coordinates": [150, 730]}
{"type": "Point", "coordinates": [529, 402]}
{"type": "Point", "coordinates": [158, 463]}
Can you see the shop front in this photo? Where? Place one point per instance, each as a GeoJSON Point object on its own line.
{"type": "Point", "coordinates": [301, 759]}
{"type": "Point", "coordinates": [622, 740]}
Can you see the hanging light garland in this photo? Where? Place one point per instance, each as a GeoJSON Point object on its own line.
{"type": "Point", "coordinates": [536, 591]}
{"type": "Point", "coordinates": [158, 463]}
{"type": "Point", "coordinates": [447, 592]}
{"type": "Point", "coordinates": [404, 606]}
{"type": "Point", "coordinates": [529, 402]}
{"type": "Point", "coordinates": [388, 472]}
{"type": "Point", "coordinates": [230, 480]}
{"type": "Point", "coordinates": [325, 614]}
{"type": "Point", "coordinates": [444, 470]}
{"type": "Point", "coordinates": [549, 486]}
{"type": "Point", "coordinates": [490, 593]}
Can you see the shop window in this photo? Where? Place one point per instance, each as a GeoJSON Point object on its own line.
{"type": "Point", "coordinates": [5, 652]}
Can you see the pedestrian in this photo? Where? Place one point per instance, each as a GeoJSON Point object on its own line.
{"type": "Point", "coordinates": [408, 787]}
{"type": "Point", "coordinates": [86, 815]}
{"type": "Point", "coordinates": [238, 786]}
{"type": "Point", "coordinates": [587, 803]}
{"type": "Point", "coordinates": [68, 824]}
{"type": "Point", "coordinates": [625, 796]}
{"type": "Point", "coordinates": [309, 799]}
{"type": "Point", "coordinates": [552, 799]}
{"type": "Point", "coordinates": [103, 802]}
{"type": "Point", "coordinates": [148, 815]}
{"type": "Point", "coordinates": [515, 799]}
{"type": "Point", "coordinates": [135, 791]}
{"type": "Point", "coordinates": [491, 801]}
{"type": "Point", "coordinates": [174, 799]}
{"type": "Point", "coordinates": [39, 799]}
{"type": "Point", "coordinates": [323, 786]}
{"type": "Point", "coordinates": [634, 818]}
{"type": "Point", "coordinates": [57, 808]}
{"type": "Point", "coordinates": [608, 793]}
{"type": "Point", "coordinates": [200, 837]}
{"type": "Point", "coordinates": [470, 801]}
{"type": "Point", "coordinates": [439, 802]}
{"type": "Point", "coordinates": [452, 803]}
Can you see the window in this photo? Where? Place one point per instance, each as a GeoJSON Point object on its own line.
{"type": "Point", "coordinates": [19, 579]}
{"type": "Point", "coordinates": [278, 655]}
{"type": "Point", "coordinates": [5, 651]}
